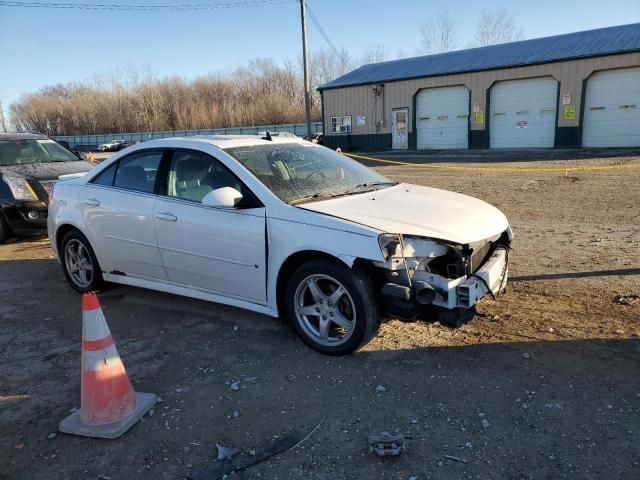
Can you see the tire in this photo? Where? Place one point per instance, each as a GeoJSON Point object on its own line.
{"type": "Point", "coordinates": [350, 322]}
{"type": "Point", "coordinates": [5, 231]}
{"type": "Point", "coordinates": [70, 243]}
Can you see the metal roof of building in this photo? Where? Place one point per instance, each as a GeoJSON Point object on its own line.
{"type": "Point", "coordinates": [590, 43]}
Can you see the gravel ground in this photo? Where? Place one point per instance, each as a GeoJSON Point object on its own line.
{"type": "Point", "coordinates": [543, 383]}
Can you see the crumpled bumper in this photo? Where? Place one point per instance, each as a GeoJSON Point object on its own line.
{"type": "Point", "coordinates": [465, 292]}
{"type": "Point", "coordinates": [494, 273]}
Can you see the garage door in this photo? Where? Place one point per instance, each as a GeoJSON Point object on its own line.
{"type": "Point", "coordinates": [442, 118]}
{"type": "Point", "coordinates": [523, 113]}
{"type": "Point", "coordinates": [612, 109]}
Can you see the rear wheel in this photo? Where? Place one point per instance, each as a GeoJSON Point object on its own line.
{"type": "Point", "coordinates": [332, 307]}
{"type": "Point", "coordinates": [79, 263]}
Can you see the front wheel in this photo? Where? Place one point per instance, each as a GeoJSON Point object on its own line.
{"type": "Point", "coordinates": [332, 307]}
{"type": "Point", "coordinates": [79, 263]}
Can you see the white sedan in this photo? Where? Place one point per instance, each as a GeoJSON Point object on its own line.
{"type": "Point", "coordinates": [281, 227]}
{"type": "Point", "coordinates": [112, 146]}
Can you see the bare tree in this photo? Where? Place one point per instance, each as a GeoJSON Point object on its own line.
{"type": "Point", "coordinates": [400, 53]}
{"type": "Point", "coordinates": [439, 34]}
{"type": "Point", "coordinates": [373, 54]}
{"type": "Point", "coordinates": [262, 92]}
{"type": "Point", "coordinates": [496, 27]}
{"type": "Point", "coordinates": [326, 65]}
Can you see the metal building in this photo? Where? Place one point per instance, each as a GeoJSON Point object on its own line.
{"type": "Point", "coordinates": [565, 91]}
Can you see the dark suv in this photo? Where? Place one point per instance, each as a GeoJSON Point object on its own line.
{"type": "Point", "coordinates": [30, 164]}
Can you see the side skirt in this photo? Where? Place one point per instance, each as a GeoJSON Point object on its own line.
{"type": "Point", "coordinates": [189, 292]}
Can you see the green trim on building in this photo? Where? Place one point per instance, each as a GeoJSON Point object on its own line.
{"type": "Point", "coordinates": [568, 137]}
{"type": "Point", "coordinates": [565, 137]}
{"type": "Point", "coordinates": [350, 142]}
{"type": "Point", "coordinates": [583, 99]}
{"type": "Point", "coordinates": [478, 139]}
{"type": "Point", "coordinates": [413, 141]}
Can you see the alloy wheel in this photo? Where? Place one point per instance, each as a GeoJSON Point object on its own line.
{"type": "Point", "coordinates": [78, 262]}
{"type": "Point", "coordinates": [325, 310]}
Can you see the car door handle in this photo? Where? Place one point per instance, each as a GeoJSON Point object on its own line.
{"type": "Point", "coordinates": [94, 202]}
{"type": "Point", "coordinates": [166, 216]}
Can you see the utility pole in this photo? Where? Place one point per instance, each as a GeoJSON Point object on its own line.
{"type": "Point", "coordinates": [2, 124]}
{"type": "Point", "coordinates": [307, 88]}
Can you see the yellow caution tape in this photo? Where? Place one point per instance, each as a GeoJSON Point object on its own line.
{"type": "Point", "coordinates": [498, 169]}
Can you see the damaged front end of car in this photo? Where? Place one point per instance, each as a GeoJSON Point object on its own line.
{"type": "Point", "coordinates": [424, 273]}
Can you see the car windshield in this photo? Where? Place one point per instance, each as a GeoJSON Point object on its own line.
{"type": "Point", "coordinates": [300, 172]}
{"type": "Point", "coordinates": [21, 152]}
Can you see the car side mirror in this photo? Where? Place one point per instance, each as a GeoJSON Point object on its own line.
{"type": "Point", "coordinates": [225, 197]}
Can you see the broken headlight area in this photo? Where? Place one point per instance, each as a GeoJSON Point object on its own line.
{"type": "Point", "coordinates": [404, 253]}
{"type": "Point", "coordinates": [422, 271]}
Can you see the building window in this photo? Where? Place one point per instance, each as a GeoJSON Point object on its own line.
{"type": "Point", "coordinates": [341, 124]}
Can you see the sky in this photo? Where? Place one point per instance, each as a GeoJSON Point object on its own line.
{"type": "Point", "coordinates": [43, 46]}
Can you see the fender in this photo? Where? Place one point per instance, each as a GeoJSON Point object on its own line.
{"type": "Point", "coordinates": [286, 238]}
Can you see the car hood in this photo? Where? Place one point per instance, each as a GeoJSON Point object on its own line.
{"type": "Point", "coordinates": [421, 211]}
{"type": "Point", "coordinates": [46, 171]}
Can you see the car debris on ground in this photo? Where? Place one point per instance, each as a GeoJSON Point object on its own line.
{"type": "Point", "coordinates": [385, 444]}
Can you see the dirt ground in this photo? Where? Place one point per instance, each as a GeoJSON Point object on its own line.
{"type": "Point", "coordinates": [553, 366]}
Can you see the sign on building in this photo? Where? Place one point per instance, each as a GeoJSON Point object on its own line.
{"type": "Point", "coordinates": [569, 112]}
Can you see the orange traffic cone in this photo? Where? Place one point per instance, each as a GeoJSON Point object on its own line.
{"type": "Point", "coordinates": [108, 404]}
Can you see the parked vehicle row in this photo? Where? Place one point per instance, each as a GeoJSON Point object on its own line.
{"type": "Point", "coordinates": [282, 227]}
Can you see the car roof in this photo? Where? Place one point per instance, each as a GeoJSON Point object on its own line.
{"type": "Point", "coordinates": [23, 136]}
{"type": "Point", "coordinates": [229, 141]}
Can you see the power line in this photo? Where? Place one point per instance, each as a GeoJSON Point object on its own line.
{"type": "Point", "coordinates": [326, 37]}
{"type": "Point", "coordinates": [337, 53]}
{"type": "Point", "coordinates": [344, 61]}
{"type": "Point", "coordinates": [142, 7]}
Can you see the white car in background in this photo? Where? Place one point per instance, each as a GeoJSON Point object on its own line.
{"type": "Point", "coordinates": [281, 227]}
{"type": "Point", "coordinates": [112, 146]}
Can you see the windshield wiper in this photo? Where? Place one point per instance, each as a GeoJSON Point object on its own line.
{"type": "Point", "coordinates": [357, 188]}
{"type": "Point", "coordinates": [306, 199]}
{"type": "Point", "coordinates": [361, 186]}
